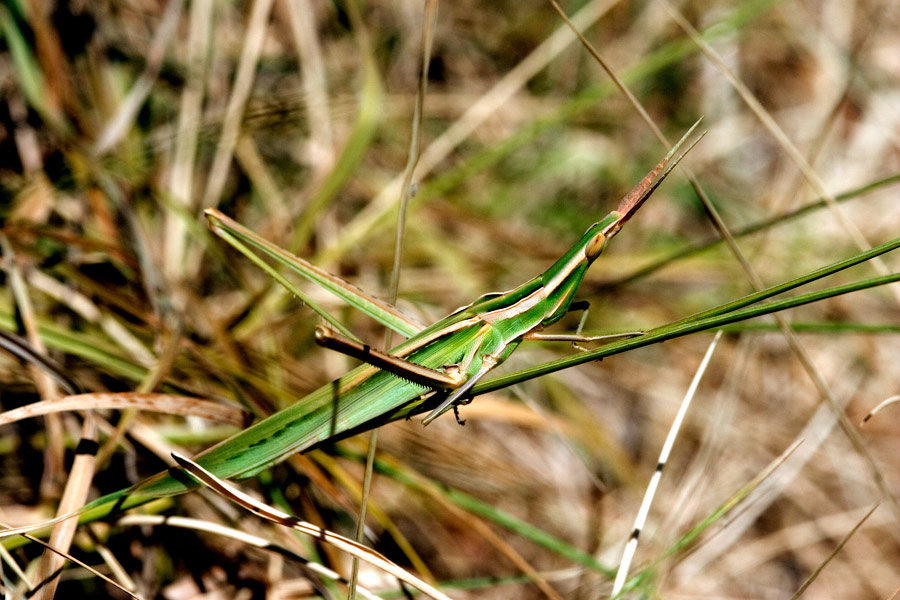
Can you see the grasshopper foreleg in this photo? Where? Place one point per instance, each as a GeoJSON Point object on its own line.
{"type": "Point", "coordinates": [488, 363]}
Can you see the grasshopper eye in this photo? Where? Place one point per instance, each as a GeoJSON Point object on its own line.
{"type": "Point", "coordinates": [595, 246]}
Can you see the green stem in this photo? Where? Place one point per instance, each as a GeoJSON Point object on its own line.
{"type": "Point", "coordinates": [680, 329]}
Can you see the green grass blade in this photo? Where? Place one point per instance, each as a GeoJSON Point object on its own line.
{"type": "Point", "coordinates": [28, 72]}
{"type": "Point", "coordinates": [496, 516]}
{"type": "Point", "coordinates": [83, 346]}
{"type": "Point", "coordinates": [715, 516]}
{"type": "Point", "coordinates": [441, 184]}
{"type": "Point", "coordinates": [237, 244]}
{"type": "Point", "coordinates": [361, 137]}
{"type": "Point", "coordinates": [793, 283]}
{"type": "Point", "coordinates": [245, 241]}
{"type": "Point", "coordinates": [816, 327]}
{"type": "Point", "coordinates": [711, 319]}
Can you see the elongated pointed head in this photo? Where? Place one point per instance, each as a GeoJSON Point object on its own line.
{"type": "Point", "coordinates": [604, 230]}
{"type": "Point", "coordinates": [561, 280]}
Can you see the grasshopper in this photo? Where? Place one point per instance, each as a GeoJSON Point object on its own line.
{"type": "Point", "coordinates": [433, 370]}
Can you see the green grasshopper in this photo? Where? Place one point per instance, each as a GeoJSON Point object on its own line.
{"type": "Point", "coordinates": [432, 370]}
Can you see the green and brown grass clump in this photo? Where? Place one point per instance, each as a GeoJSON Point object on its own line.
{"type": "Point", "coordinates": [121, 122]}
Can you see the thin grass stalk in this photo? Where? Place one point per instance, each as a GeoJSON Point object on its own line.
{"type": "Point", "coordinates": [339, 476]}
{"type": "Point", "coordinates": [487, 511]}
{"type": "Point", "coordinates": [363, 505]}
{"type": "Point", "coordinates": [415, 144]}
{"type": "Point", "coordinates": [674, 428]}
{"type": "Point", "coordinates": [264, 511]}
{"type": "Point", "coordinates": [181, 178]}
{"type": "Point", "coordinates": [668, 332]}
{"type": "Point", "coordinates": [440, 148]}
{"type": "Point", "coordinates": [379, 210]}
{"type": "Point", "coordinates": [818, 327]}
{"type": "Point", "coordinates": [787, 145]}
{"type": "Point", "coordinates": [244, 538]}
{"type": "Point", "coordinates": [756, 281]}
{"type": "Point", "coordinates": [881, 405]}
{"type": "Point", "coordinates": [123, 120]}
{"type": "Point", "coordinates": [812, 177]}
{"type": "Point", "coordinates": [243, 83]}
{"type": "Point", "coordinates": [699, 247]}
{"type": "Point", "coordinates": [781, 288]}
{"type": "Point", "coordinates": [74, 496]}
{"type": "Point", "coordinates": [65, 555]}
{"type": "Point", "coordinates": [54, 455]}
{"type": "Point", "coordinates": [301, 19]}
{"type": "Point", "coordinates": [815, 574]}
{"type": "Point", "coordinates": [360, 138]}
{"type": "Point", "coordinates": [165, 403]}
{"type": "Point", "coordinates": [22, 349]}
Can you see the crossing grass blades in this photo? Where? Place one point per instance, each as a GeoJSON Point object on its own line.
{"type": "Point", "coordinates": [438, 367]}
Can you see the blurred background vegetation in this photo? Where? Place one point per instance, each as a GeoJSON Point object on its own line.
{"type": "Point", "coordinates": [120, 121]}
